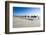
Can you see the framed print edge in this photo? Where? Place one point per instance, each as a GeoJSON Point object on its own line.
{"type": "Point", "coordinates": [7, 17]}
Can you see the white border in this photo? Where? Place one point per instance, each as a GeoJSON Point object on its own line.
{"type": "Point", "coordinates": [11, 29]}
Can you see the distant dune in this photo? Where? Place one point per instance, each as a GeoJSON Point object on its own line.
{"type": "Point", "coordinates": [25, 22]}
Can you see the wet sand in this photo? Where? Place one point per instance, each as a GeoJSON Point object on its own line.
{"type": "Point", "coordinates": [22, 22]}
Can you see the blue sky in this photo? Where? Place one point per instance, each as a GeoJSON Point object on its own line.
{"type": "Point", "coordinates": [21, 11]}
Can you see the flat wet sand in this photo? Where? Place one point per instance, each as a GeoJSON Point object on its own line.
{"type": "Point", "coordinates": [22, 22]}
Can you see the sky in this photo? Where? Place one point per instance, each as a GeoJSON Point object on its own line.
{"type": "Point", "coordinates": [21, 11]}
